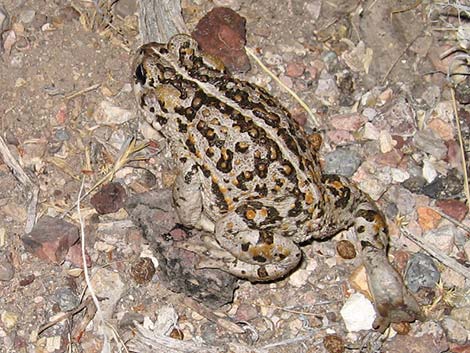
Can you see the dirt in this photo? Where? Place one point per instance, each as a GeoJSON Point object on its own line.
{"type": "Point", "coordinates": [54, 79]}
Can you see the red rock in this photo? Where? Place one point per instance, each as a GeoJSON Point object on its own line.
{"type": "Point", "coordinates": [442, 129]}
{"type": "Point", "coordinates": [391, 159]}
{"type": "Point", "coordinates": [221, 32]}
{"type": "Point", "coordinates": [348, 122]}
{"type": "Point", "coordinates": [453, 208]}
{"type": "Point", "coordinates": [453, 155]}
{"type": "Point", "coordinates": [456, 348]}
{"type": "Point", "coordinates": [295, 69]}
{"type": "Point", "coordinates": [109, 199]}
{"type": "Point", "coordinates": [51, 239]}
{"type": "Point", "coordinates": [426, 343]}
{"type": "Point", "coordinates": [75, 256]}
{"type": "Point", "coordinates": [246, 312]}
{"type": "Point", "coordinates": [340, 137]}
{"type": "Point", "coordinates": [428, 218]}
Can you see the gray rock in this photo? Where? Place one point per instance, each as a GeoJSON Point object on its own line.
{"type": "Point", "coordinates": [454, 330]}
{"type": "Point", "coordinates": [427, 141]}
{"type": "Point", "coordinates": [462, 315]}
{"type": "Point", "coordinates": [66, 299]}
{"type": "Point", "coordinates": [342, 161]}
{"type": "Point", "coordinates": [421, 272]}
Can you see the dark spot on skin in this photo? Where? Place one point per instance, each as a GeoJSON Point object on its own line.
{"type": "Point", "coordinates": [190, 146]}
{"type": "Point", "coordinates": [262, 190]}
{"type": "Point", "coordinates": [220, 199]}
{"type": "Point", "coordinates": [282, 256]}
{"type": "Point", "coordinates": [368, 215]}
{"type": "Point", "coordinates": [183, 160]}
{"type": "Point", "coordinates": [265, 237]}
{"type": "Point", "coordinates": [344, 198]}
{"type": "Point", "coordinates": [259, 258]}
{"type": "Point", "coordinates": [288, 140]}
{"type": "Point", "coordinates": [140, 75]}
{"type": "Point", "coordinates": [361, 229]}
{"type": "Point", "coordinates": [224, 164]}
{"type": "Point", "coordinates": [182, 127]}
{"type": "Point", "coordinates": [293, 212]}
{"type": "Point", "coordinates": [241, 147]}
{"type": "Point", "coordinates": [262, 272]}
{"type": "Point", "coordinates": [245, 246]}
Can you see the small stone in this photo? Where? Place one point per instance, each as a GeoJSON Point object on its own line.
{"type": "Point", "coordinates": [66, 299]}
{"type": "Point", "coordinates": [26, 16]}
{"type": "Point", "coordinates": [402, 198]}
{"type": "Point", "coordinates": [128, 319]}
{"type": "Point", "coordinates": [358, 281]}
{"type": "Point", "coordinates": [142, 270]}
{"type": "Point", "coordinates": [442, 238]}
{"type": "Point", "coordinates": [295, 69]}
{"type": "Point", "coordinates": [442, 129]}
{"type": "Point", "coordinates": [421, 272]}
{"type": "Point", "coordinates": [9, 319]}
{"type": "Point", "coordinates": [109, 199]}
{"type": "Point", "coordinates": [429, 172]}
{"type": "Point", "coordinates": [454, 330]}
{"type": "Point", "coordinates": [428, 218]}
{"type": "Point", "coordinates": [444, 187]}
{"type": "Point", "coordinates": [74, 255]}
{"type": "Point", "coordinates": [453, 208]}
{"type": "Point", "coordinates": [222, 33]}
{"type": "Point", "coordinates": [452, 279]}
{"type": "Point", "coordinates": [107, 284]}
{"type": "Point", "coordinates": [342, 161]}
{"type": "Point", "coordinates": [327, 89]}
{"type": "Point", "coordinates": [299, 278]}
{"type": "Point", "coordinates": [426, 140]}
{"type": "Point", "coordinates": [246, 312]}
{"type": "Point", "coordinates": [386, 141]}
{"type": "Point", "coordinates": [462, 315]}
{"type": "Point", "coordinates": [7, 270]}
{"type": "Point", "coordinates": [334, 344]}
{"type": "Point", "coordinates": [348, 122]}
{"type": "Point", "coordinates": [370, 132]}
{"type": "Point", "coordinates": [346, 249]}
{"type": "Point", "coordinates": [51, 239]}
{"type": "Point", "coordinates": [109, 114]}
{"type": "Point", "coordinates": [358, 313]}
{"type": "Point", "coordinates": [340, 137]}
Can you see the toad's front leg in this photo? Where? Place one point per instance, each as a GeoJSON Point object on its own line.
{"type": "Point", "coordinates": [257, 254]}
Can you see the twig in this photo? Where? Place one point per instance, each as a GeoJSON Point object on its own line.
{"type": "Point", "coordinates": [462, 150]}
{"type": "Point", "coordinates": [444, 259]}
{"type": "Point", "coordinates": [19, 173]}
{"type": "Point", "coordinates": [453, 220]}
{"type": "Point", "coordinates": [409, 8]}
{"type": "Point", "coordinates": [82, 91]}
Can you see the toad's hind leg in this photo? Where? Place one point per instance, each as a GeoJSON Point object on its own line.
{"type": "Point", "coordinates": [256, 255]}
{"type": "Point", "coordinates": [392, 300]}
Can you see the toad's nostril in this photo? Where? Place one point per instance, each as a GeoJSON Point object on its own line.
{"type": "Point", "coordinates": [140, 76]}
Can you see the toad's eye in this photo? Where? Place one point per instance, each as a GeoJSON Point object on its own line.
{"type": "Point", "coordinates": [140, 76]}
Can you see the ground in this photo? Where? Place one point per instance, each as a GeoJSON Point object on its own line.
{"type": "Point", "coordinates": [372, 73]}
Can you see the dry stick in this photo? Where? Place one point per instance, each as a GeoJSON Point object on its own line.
{"type": "Point", "coordinates": [444, 259]}
{"type": "Point", "coordinates": [462, 151]}
{"type": "Point", "coordinates": [24, 179]}
{"type": "Point", "coordinates": [85, 90]}
{"type": "Point", "coordinates": [452, 220]}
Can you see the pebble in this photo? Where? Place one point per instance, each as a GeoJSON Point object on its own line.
{"type": "Point", "coordinates": [426, 140]}
{"type": "Point", "coordinates": [454, 330]}
{"type": "Point", "coordinates": [346, 249]}
{"type": "Point", "coordinates": [342, 161]}
{"type": "Point", "coordinates": [421, 272]}
{"type": "Point", "coordinates": [51, 239]}
{"type": "Point", "coordinates": [66, 299]}
{"type": "Point", "coordinates": [400, 119]}
{"type": "Point", "coordinates": [327, 89]}
{"type": "Point", "coordinates": [299, 278]}
{"type": "Point", "coordinates": [442, 129]}
{"type": "Point", "coordinates": [109, 199]}
{"type": "Point", "coordinates": [334, 344]}
{"type": "Point", "coordinates": [348, 122]}
{"type": "Point", "coordinates": [7, 270]}
{"type": "Point", "coordinates": [295, 69]}
{"type": "Point", "coordinates": [428, 218]}
{"type": "Point", "coordinates": [444, 187]}
{"type": "Point", "coordinates": [358, 313]}
{"type": "Point", "coordinates": [462, 315]}
{"type": "Point", "coordinates": [107, 284]}
{"type": "Point", "coordinates": [9, 319]}
{"type": "Point", "coordinates": [369, 131]}
{"type": "Point", "coordinates": [442, 238]}
{"type": "Point", "coordinates": [148, 131]}
{"type": "Point", "coordinates": [26, 16]}
{"type": "Point", "coordinates": [402, 198]}
{"type": "Point", "coordinates": [453, 208]}
{"type": "Point", "coordinates": [429, 172]}
{"type": "Point", "coordinates": [109, 114]}
{"type": "Point", "coordinates": [386, 141]}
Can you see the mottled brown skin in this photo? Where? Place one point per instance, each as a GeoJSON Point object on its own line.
{"type": "Point", "coordinates": [250, 176]}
